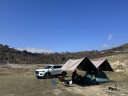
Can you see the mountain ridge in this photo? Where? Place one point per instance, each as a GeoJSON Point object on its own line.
{"type": "Point", "coordinates": [11, 55]}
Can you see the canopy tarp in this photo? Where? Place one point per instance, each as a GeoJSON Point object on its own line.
{"type": "Point", "coordinates": [71, 64]}
{"type": "Point", "coordinates": [82, 64]}
{"type": "Point", "coordinates": [86, 65]}
{"type": "Point", "coordinates": [102, 65]}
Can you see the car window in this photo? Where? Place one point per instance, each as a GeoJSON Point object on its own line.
{"type": "Point", "coordinates": [47, 67]}
{"type": "Point", "coordinates": [56, 67]}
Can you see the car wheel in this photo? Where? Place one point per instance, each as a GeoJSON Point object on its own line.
{"type": "Point", "coordinates": [47, 75]}
{"type": "Point", "coordinates": [64, 73]}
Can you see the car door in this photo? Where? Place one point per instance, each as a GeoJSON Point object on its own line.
{"type": "Point", "coordinates": [51, 70]}
{"type": "Point", "coordinates": [54, 70]}
{"type": "Point", "coordinates": [59, 71]}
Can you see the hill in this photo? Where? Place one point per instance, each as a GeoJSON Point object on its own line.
{"type": "Point", "coordinates": [11, 55]}
{"type": "Point", "coordinates": [122, 48]}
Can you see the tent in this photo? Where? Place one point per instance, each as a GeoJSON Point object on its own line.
{"type": "Point", "coordinates": [94, 69]}
{"type": "Point", "coordinates": [96, 77]}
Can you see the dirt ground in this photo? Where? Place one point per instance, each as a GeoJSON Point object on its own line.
{"type": "Point", "coordinates": [20, 81]}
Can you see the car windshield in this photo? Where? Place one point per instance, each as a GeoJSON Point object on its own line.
{"type": "Point", "coordinates": [47, 67]}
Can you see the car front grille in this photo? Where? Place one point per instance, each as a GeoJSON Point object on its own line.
{"type": "Point", "coordinates": [36, 72]}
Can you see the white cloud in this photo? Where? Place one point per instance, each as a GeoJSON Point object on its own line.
{"type": "Point", "coordinates": [105, 46]}
{"type": "Point", "coordinates": [110, 37]}
{"type": "Point", "coordinates": [35, 50]}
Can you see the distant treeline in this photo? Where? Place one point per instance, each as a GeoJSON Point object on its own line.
{"type": "Point", "coordinates": [11, 55]}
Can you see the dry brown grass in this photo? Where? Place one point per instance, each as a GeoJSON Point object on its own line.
{"type": "Point", "coordinates": [19, 80]}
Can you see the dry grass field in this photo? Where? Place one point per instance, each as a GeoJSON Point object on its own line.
{"type": "Point", "coordinates": [19, 80]}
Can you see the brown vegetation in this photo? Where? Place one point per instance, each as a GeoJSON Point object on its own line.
{"type": "Point", "coordinates": [11, 55]}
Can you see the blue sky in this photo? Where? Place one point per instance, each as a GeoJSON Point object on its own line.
{"type": "Point", "coordinates": [63, 25]}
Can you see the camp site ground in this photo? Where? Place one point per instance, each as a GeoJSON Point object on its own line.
{"type": "Point", "coordinates": [19, 80]}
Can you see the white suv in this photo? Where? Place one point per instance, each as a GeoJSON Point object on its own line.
{"type": "Point", "coordinates": [50, 70]}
